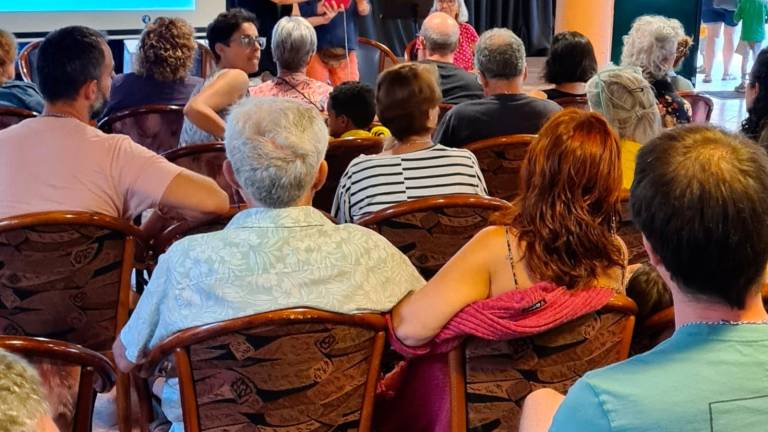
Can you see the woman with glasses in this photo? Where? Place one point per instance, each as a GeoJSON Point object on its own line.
{"type": "Point", "coordinates": [236, 45]}
{"type": "Point", "coordinates": [161, 76]}
{"type": "Point", "coordinates": [294, 42]}
{"type": "Point", "coordinates": [464, 57]}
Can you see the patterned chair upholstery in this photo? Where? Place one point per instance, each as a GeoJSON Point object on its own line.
{"type": "Point", "coordinates": [340, 153]}
{"type": "Point", "coordinates": [156, 127]}
{"type": "Point", "coordinates": [28, 61]}
{"type": "Point", "coordinates": [93, 373]}
{"type": "Point", "coordinates": [184, 228]}
{"type": "Point", "coordinates": [495, 377]}
{"type": "Point", "coordinates": [500, 160]}
{"type": "Point", "coordinates": [11, 116]}
{"type": "Point", "coordinates": [66, 276]}
{"type": "Point", "coordinates": [631, 235]}
{"type": "Point", "coordinates": [291, 370]}
{"type": "Point", "coordinates": [701, 106]}
{"type": "Point", "coordinates": [578, 102]}
{"type": "Point", "coordinates": [431, 230]}
{"type": "Point", "coordinates": [208, 160]}
{"type": "Point", "coordinates": [373, 58]}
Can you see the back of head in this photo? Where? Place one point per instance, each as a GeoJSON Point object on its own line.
{"type": "Point", "coordinates": [405, 94]}
{"type": "Point", "coordinates": [166, 49]}
{"type": "Point", "coordinates": [7, 55]}
{"type": "Point", "coordinates": [354, 100]}
{"type": "Point", "coordinates": [294, 41]}
{"type": "Point", "coordinates": [440, 33]}
{"type": "Point", "coordinates": [68, 59]}
{"type": "Point", "coordinates": [570, 186]}
{"type": "Point", "coordinates": [275, 146]}
{"type": "Point", "coordinates": [757, 109]}
{"type": "Point", "coordinates": [226, 24]}
{"type": "Point", "coordinates": [651, 45]}
{"type": "Point", "coordinates": [571, 59]}
{"type": "Point", "coordinates": [500, 54]}
{"type": "Point", "coordinates": [627, 101]}
{"type": "Point", "coordinates": [699, 198]}
{"type": "Point", "coordinates": [21, 395]}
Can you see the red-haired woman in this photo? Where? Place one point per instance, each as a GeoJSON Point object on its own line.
{"type": "Point", "coordinates": [561, 229]}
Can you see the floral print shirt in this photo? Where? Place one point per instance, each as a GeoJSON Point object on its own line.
{"type": "Point", "coordinates": [674, 109]}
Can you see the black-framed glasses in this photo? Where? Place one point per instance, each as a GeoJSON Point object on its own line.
{"type": "Point", "coordinates": [248, 41]}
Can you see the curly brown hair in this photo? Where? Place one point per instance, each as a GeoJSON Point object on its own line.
{"type": "Point", "coordinates": [7, 50]}
{"type": "Point", "coordinates": [570, 187]}
{"type": "Point", "coordinates": [166, 50]}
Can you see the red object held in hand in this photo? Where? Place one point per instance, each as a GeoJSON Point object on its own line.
{"type": "Point", "coordinates": [337, 3]}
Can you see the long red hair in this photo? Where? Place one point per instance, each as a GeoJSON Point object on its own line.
{"type": "Point", "coordinates": [567, 208]}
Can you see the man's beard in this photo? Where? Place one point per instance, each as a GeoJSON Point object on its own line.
{"type": "Point", "coordinates": [97, 109]}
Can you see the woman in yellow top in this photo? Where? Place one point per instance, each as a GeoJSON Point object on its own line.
{"type": "Point", "coordinates": [627, 100]}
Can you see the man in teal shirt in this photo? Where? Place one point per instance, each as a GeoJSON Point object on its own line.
{"type": "Point", "coordinates": [699, 199]}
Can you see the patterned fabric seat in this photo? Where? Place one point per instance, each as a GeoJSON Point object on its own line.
{"type": "Point", "coordinates": [500, 160]}
{"type": "Point", "coordinates": [431, 230]}
{"type": "Point", "coordinates": [156, 127]}
{"type": "Point", "coordinates": [208, 160]}
{"type": "Point", "coordinates": [293, 370]}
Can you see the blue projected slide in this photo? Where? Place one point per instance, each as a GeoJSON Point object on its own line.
{"type": "Point", "coordinates": [94, 5]}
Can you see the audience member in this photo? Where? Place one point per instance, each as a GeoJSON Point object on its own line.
{"type": "Point", "coordinates": [651, 45]}
{"type": "Point", "coordinates": [717, 16]}
{"type": "Point", "coordinates": [293, 44]}
{"type": "Point", "coordinates": [440, 34]}
{"type": "Point", "coordinates": [261, 261]}
{"type": "Point", "coordinates": [236, 46]}
{"type": "Point", "coordinates": [699, 200]}
{"type": "Point", "coordinates": [23, 407]}
{"type": "Point", "coordinates": [15, 94]}
{"type": "Point", "coordinates": [571, 63]}
{"type": "Point", "coordinates": [166, 50]}
{"type": "Point", "coordinates": [505, 110]}
{"type": "Point", "coordinates": [411, 166]}
{"type": "Point", "coordinates": [464, 56]}
{"type": "Point", "coordinates": [756, 99]}
{"type": "Point", "coordinates": [752, 14]}
{"type": "Point", "coordinates": [351, 110]}
{"type": "Point", "coordinates": [561, 229]}
{"type": "Point", "coordinates": [627, 101]}
{"type": "Point", "coordinates": [648, 290]}
{"type": "Point", "coordinates": [59, 162]}
{"type": "Point", "coordinates": [681, 83]}
{"type": "Point", "coordinates": [335, 60]}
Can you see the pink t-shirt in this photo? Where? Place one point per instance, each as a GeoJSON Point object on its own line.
{"type": "Point", "coordinates": [54, 163]}
{"type": "Point", "coordinates": [297, 87]}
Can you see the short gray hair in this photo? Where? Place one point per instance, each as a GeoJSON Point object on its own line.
{"type": "Point", "coordinates": [463, 12]}
{"type": "Point", "coordinates": [275, 146]}
{"type": "Point", "coordinates": [294, 41]}
{"type": "Point", "coordinates": [500, 54]}
{"type": "Point", "coordinates": [21, 394]}
{"type": "Point", "coordinates": [443, 43]}
{"type": "Point", "coordinates": [627, 101]}
{"type": "Point", "coordinates": [651, 45]}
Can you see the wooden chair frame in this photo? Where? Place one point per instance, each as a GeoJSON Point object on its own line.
{"type": "Point", "coordinates": [500, 141]}
{"type": "Point", "coordinates": [134, 237]}
{"type": "Point", "coordinates": [22, 114]}
{"type": "Point", "coordinates": [572, 102]}
{"type": "Point", "coordinates": [457, 365]}
{"type": "Point", "coordinates": [689, 95]}
{"type": "Point", "coordinates": [106, 124]}
{"type": "Point", "coordinates": [365, 145]}
{"type": "Point", "coordinates": [97, 374]}
{"type": "Point", "coordinates": [203, 148]}
{"type": "Point", "coordinates": [208, 64]}
{"type": "Point", "coordinates": [386, 53]}
{"type": "Point", "coordinates": [24, 65]}
{"type": "Point", "coordinates": [409, 49]}
{"type": "Point", "coordinates": [433, 203]}
{"type": "Point", "coordinates": [179, 343]}
{"type": "Point", "coordinates": [179, 230]}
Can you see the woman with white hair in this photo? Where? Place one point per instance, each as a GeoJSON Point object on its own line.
{"type": "Point", "coordinates": [628, 102]}
{"type": "Point", "coordinates": [464, 57]}
{"type": "Point", "coordinates": [651, 45]}
{"type": "Point", "coordinates": [294, 42]}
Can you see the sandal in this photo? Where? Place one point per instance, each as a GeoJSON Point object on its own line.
{"type": "Point", "coordinates": [729, 77]}
{"type": "Point", "coordinates": [707, 79]}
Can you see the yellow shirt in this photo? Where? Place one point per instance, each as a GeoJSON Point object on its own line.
{"type": "Point", "coordinates": [629, 151]}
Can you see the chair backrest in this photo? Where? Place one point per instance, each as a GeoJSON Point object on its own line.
{"type": "Point", "coordinates": [292, 369]}
{"type": "Point", "coordinates": [208, 160]}
{"type": "Point", "coordinates": [372, 58]}
{"type": "Point", "coordinates": [701, 106]}
{"type": "Point", "coordinates": [96, 373]}
{"type": "Point", "coordinates": [28, 61]}
{"type": "Point", "coordinates": [340, 153]}
{"type": "Point", "coordinates": [444, 108]}
{"type": "Point", "coordinates": [578, 102]}
{"type": "Point", "coordinates": [410, 53]}
{"type": "Point", "coordinates": [630, 234]}
{"type": "Point", "coordinates": [184, 228]}
{"type": "Point", "coordinates": [493, 378]}
{"type": "Point", "coordinates": [66, 276]}
{"type": "Point", "coordinates": [500, 160]}
{"type": "Point", "coordinates": [156, 127]}
{"type": "Point", "coordinates": [431, 230]}
{"type": "Point", "coordinates": [203, 63]}
{"type": "Point", "coordinates": [11, 116]}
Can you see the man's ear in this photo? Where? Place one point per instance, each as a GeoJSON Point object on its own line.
{"type": "Point", "coordinates": [525, 72]}
{"type": "Point", "coordinates": [652, 257]}
{"type": "Point", "coordinates": [320, 177]}
{"type": "Point", "coordinates": [90, 90]}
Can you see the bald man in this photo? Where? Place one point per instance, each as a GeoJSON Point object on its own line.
{"type": "Point", "coordinates": [440, 37]}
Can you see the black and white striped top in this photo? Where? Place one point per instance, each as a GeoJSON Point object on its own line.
{"type": "Point", "coordinates": [371, 183]}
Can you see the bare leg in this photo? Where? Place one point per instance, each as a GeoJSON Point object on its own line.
{"type": "Point", "coordinates": [539, 409]}
{"type": "Point", "coordinates": [728, 47]}
{"type": "Point", "coordinates": [713, 34]}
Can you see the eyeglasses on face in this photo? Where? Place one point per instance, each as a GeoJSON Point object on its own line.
{"type": "Point", "coordinates": [248, 41]}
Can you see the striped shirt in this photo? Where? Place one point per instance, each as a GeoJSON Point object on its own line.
{"type": "Point", "coordinates": [372, 183]}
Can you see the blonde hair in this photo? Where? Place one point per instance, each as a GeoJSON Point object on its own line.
{"type": "Point", "coordinates": [166, 50]}
{"type": "Point", "coordinates": [21, 395]}
{"type": "Point", "coordinates": [7, 50]}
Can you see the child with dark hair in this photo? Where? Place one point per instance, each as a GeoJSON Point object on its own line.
{"type": "Point", "coordinates": [351, 110]}
{"type": "Point", "coordinates": [648, 290]}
